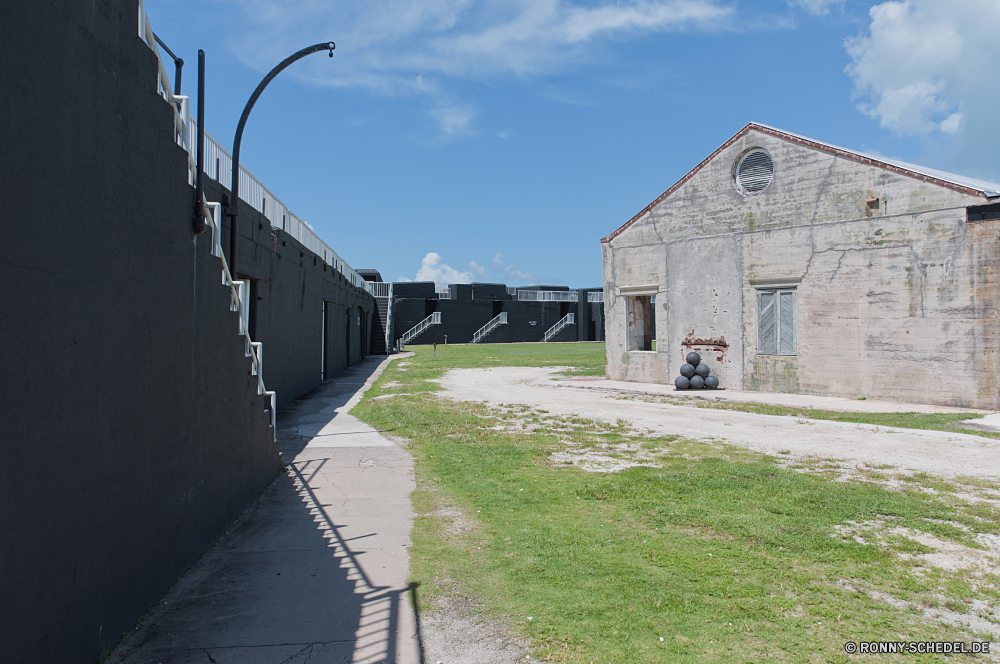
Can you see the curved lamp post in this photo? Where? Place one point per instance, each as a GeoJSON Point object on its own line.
{"type": "Point", "coordinates": [232, 210]}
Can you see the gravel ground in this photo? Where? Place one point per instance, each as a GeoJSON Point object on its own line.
{"type": "Point", "coordinates": [939, 453]}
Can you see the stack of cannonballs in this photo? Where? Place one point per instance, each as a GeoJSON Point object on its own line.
{"type": "Point", "coordinates": [695, 375]}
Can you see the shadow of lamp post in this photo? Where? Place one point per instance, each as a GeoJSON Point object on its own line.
{"type": "Point", "coordinates": [231, 208]}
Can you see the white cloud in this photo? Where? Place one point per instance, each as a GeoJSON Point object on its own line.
{"type": "Point", "coordinates": [816, 7]}
{"type": "Point", "coordinates": [432, 269]}
{"type": "Point", "coordinates": [399, 46]}
{"type": "Point", "coordinates": [479, 270]}
{"type": "Point", "coordinates": [517, 274]}
{"type": "Point", "coordinates": [507, 133]}
{"type": "Point", "coordinates": [931, 66]}
{"type": "Point", "coordinates": [454, 120]}
{"type": "Point", "coordinates": [510, 270]}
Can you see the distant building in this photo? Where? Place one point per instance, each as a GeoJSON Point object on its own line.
{"type": "Point", "coordinates": [492, 313]}
{"type": "Point", "coordinates": [792, 265]}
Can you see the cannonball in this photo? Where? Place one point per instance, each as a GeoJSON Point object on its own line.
{"type": "Point", "coordinates": [693, 359]}
{"type": "Point", "coordinates": [687, 370]}
{"type": "Point", "coordinates": [697, 382]}
{"type": "Point", "coordinates": [711, 382]}
{"type": "Point", "coordinates": [681, 383]}
{"type": "Point", "coordinates": [703, 370]}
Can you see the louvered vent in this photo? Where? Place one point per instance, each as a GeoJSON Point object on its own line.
{"type": "Point", "coordinates": [754, 172]}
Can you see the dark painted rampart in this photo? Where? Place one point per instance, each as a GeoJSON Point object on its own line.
{"type": "Point", "coordinates": [471, 306]}
{"type": "Point", "coordinates": [293, 288]}
{"type": "Point", "coordinates": [130, 426]}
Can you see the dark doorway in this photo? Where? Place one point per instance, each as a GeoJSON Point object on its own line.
{"type": "Point", "coordinates": [347, 339]}
{"type": "Point", "coordinates": [253, 297]}
{"type": "Point", "coordinates": [362, 333]}
{"type": "Point", "coordinates": [325, 354]}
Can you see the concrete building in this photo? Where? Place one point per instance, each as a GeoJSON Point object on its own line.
{"type": "Point", "coordinates": [792, 265]}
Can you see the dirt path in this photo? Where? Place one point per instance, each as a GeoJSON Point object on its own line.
{"type": "Point", "coordinates": [940, 453]}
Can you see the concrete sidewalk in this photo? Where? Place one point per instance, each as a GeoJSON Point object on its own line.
{"type": "Point", "coordinates": [805, 401]}
{"type": "Point", "coordinates": [315, 570]}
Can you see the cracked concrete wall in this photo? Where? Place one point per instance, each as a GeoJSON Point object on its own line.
{"type": "Point", "coordinates": [897, 303]}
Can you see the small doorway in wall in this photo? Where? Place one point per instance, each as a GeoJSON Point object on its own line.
{"type": "Point", "coordinates": [640, 322]}
{"type": "Point", "coordinates": [253, 297]}
{"type": "Point", "coordinates": [324, 354]}
{"type": "Point", "coordinates": [361, 334]}
{"type": "Point", "coordinates": [347, 340]}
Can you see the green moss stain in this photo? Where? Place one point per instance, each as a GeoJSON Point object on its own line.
{"type": "Point", "coordinates": [775, 373]}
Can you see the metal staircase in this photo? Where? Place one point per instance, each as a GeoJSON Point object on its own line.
{"type": "Point", "coordinates": [568, 319]}
{"type": "Point", "coordinates": [381, 341]}
{"type": "Point", "coordinates": [489, 327]}
{"type": "Point", "coordinates": [418, 329]}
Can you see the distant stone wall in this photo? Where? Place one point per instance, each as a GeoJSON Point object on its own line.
{"type": "Point", "coordinates": [897, 302]}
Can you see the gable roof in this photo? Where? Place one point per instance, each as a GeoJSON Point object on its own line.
{"type": "Point", "coordinates": [966, 185]}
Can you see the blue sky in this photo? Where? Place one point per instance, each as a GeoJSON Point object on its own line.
{"type": "Point", "coordinates": [499, 140]}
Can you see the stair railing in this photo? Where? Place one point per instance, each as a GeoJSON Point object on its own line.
{"type": "Point", "coordinates": [218, 166]}
{"type": "Point", "coordinates": [388, 322]}
{"type": "Point", "coordinates": [568, 319]}
{"type": "Point", "coordinates": [489, 327]}
{"type": "Point", "coordinates": [417, 330]}
{"type": "Point", "coordinates": [239, 303]}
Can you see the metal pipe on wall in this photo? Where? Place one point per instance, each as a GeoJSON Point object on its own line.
{"type": "Point", "coordinates": [200, 225]}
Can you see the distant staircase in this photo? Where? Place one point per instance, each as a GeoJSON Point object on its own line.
{"type": "Point", "coordinates": [381, 341]}
{"type": "Point", "coordinates": [489, 327]}
{"type": "Point", "coordinates": [418, 329]}
{"type": "Point", "coordinates": [568, 319]}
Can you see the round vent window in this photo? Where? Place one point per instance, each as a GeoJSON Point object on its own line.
{"type": "Point", "coordinates": [754, 172]}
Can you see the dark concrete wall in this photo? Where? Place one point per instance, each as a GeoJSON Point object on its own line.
{"type": "Point", "coordinates": [293, 285]}
{"type": "Point", "coordinates": [423, 289]}
{"type": "Point", "coordinates": [526, 321]}
{"type": "Point", "coordinates": [130, 426]}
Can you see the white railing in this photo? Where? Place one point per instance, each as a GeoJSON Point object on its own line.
{"type": "Point", "coordinates": [388, 322]}
{"type": "Point", "coordinates": [185, 133]}
{"type": "Point", "coordinates": [219, 167]}
{"type": "Point", "coordinates": [378, 288]}
{"type": "Point", "coordinates": [417, 330]}
{"type": "Point", "coordinates": [595, 296]}
{"type": "Point", "coordinates": [511, 290]}
{"type": "Point", "coordinates": [568, 319]}
{"type": "Point", "coordinates": [547, 296]}
{"type": "Point", "coordinates": [444, 294]}
{"type": "Point", "coordinates": [239, 303]}
{"type": "Point", "coordinates": [489, 327]}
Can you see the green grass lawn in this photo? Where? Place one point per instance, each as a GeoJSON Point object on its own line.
{"type": "Point", "coordinates": [724, 554]}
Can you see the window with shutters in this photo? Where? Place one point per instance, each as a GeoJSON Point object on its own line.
{"type": "Point", "coordinates": [753, 172]}
{"type": "Point", "coordinates": [777, 322]}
